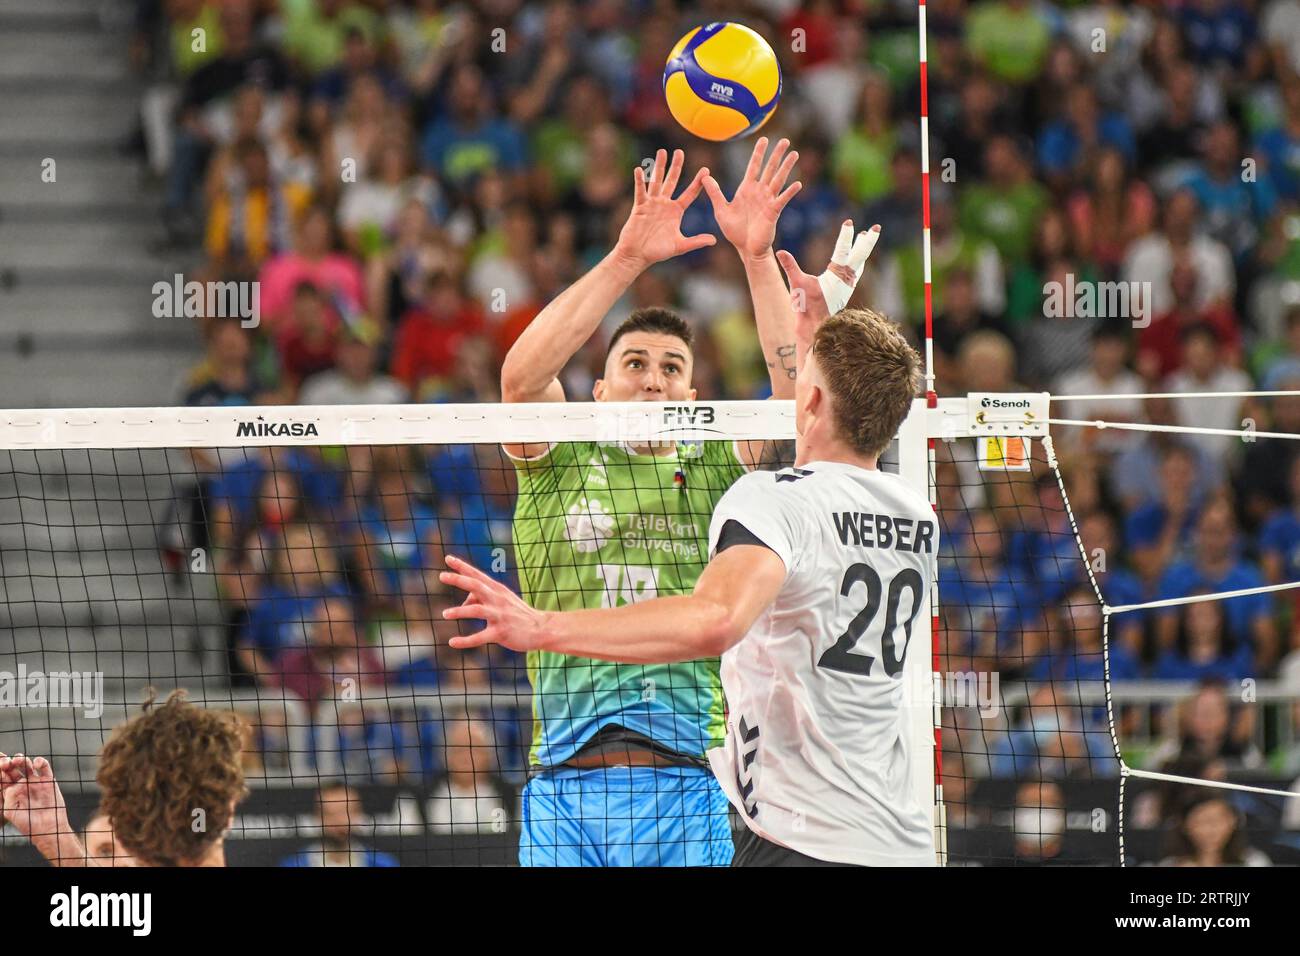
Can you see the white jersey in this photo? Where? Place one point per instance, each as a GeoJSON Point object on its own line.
{"type": "Point", "coordinates": [817, 757]}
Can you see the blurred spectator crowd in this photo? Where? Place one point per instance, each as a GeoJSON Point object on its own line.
{"type": "Point", "coordinates": [411, 181]}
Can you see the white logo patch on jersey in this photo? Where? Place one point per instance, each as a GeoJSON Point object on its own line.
{"type": "Point", "coordinates": [597, 475]}
{"type": "Point", "coordinates": [588, 526]}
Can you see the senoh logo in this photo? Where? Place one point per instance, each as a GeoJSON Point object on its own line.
{"type": "Point", "coordinates": [1004, 403]}
{"type": "Point", "coordinates": [261, 428]}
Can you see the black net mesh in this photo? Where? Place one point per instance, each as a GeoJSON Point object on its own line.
{"type": "Point", "coordinates": [1029, 771]}
{"type": "Point", "coordinates": [297, 588]}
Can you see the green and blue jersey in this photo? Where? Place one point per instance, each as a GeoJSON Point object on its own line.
{"type": "Point", "coordinates": [598, 526]}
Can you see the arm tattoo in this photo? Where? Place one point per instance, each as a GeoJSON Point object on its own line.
{"type": "Point", "coordinates": [786, 354]}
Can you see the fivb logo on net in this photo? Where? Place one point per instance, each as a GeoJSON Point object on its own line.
{"type": "Point", "coordinates": [179, 299]}
{"type": "Point", "coordinates": [1083, 299]}
{"type": "Point", "coordinates": [653, 426]}
{"type": "Point", "coordinates": [75, 690]}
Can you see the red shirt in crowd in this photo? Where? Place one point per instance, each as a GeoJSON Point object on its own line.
{"type": "Point", "coordinates": [425, 346]}
{"type": "Point", "coordinates": [315, 675]}
{"type": "Point", "coordinates": [305, 353]}
{"type": "Point", "coordinates": [1162, 339]}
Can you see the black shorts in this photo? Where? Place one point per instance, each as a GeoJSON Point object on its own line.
{"type": "Point", "coordinates": [753, 850]}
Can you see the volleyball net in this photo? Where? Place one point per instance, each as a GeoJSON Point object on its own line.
{"type": "Point", "coordinates": [281, 563]}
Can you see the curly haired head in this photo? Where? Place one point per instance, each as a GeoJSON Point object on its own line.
{"type": "Point", "coordinates": [161, 766]}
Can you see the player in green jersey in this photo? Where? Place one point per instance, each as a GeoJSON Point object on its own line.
{"type": "Point", "coordinates": [618, 773]}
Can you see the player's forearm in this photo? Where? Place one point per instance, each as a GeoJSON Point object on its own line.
{"type": "Point", "coordinates": [774, 319]}
{"type": "Point", "coordinates": [806, 331]}
{"type": "Point", "coordinates": [62, 848]}
{"type": "Point", "coordinates": [659, 631]}
{"type": "Point", "coordinates": [564, 326]}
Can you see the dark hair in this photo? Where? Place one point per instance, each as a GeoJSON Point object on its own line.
{"type": "Point", "coordinates": [1199, 328]}
{"type": "Point", "coordinates": [1170, 795]}
{"type": "Point", "coordinates": [652, 319]}
{"type": "Point", "coordinates": [1114, 333]}
{"type": "Point", "coordinates": [1180, 842]}
{"type": "Point", "coordinates": [1228, 641]}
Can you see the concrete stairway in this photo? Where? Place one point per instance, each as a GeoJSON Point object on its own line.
{"type": "Point", "coordinates": [82, 586]}
{"type": "Point", "coordinates": [76, 270]}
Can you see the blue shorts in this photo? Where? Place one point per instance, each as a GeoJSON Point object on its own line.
{"type": "Point", "coordinates": [625, 816]}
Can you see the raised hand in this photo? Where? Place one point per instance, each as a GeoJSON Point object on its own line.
{"type": "Point", "coordinates": [653, 231]}
{"type": "Point", "coordinates": [510, 622]}
{"type": "Point", "coordinates": [818, 297]}
{"type": "Point", "coordinates": [30, 798]}
{"type": "Point", "coordinates": [749, 219]}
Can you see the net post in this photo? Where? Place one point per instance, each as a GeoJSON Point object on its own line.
{"type": "Point", "coordinates": [925, 195]}
{"type": "Point", "coordinates": [931, 402]}
{"type": "Point", "coordinates": [932, 487]}
{"type": "Point", "coordinates": [916, 466]}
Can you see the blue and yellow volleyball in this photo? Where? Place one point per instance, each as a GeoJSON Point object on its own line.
{"type": "Point", "coordinates": [722, 81]}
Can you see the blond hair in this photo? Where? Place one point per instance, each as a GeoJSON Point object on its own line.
{"type": "Point", "coordinates": [872, 374]}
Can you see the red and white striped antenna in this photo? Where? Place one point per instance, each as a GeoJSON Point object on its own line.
{"type": "Point", "coordinates": [925, 205]}
{"type": "Point", "coordinates": [932, 401]}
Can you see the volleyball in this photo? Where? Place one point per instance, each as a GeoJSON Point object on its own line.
{"type": "Point", "coordinates": [722, 81]}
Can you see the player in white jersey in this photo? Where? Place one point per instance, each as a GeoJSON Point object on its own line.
{"type": "Point", "coordinates": [816, 576]}
{"type": "Point", "coordinates": [816, 755]}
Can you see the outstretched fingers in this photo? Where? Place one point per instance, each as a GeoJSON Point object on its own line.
{"type": "Point", "coordinates": [657, 173]}
{"type": "Point", "coordinates": [702, 241]}
{"type": "Point", "coordinates": [788, 193]}
{"type": "Point", "coordinates": [466, 612]}
{"type": "Point", "coordinates": [639, 186]}
{"type": "Point", "coordinates": [756, 160]}
{"type": "Point", "coordinates": [790, 266]}
{"type": "Point", "coordinates": [674, 173]}
{"type": "Point", "coordinates": [782, 172]}
{"type": "Point", "coordinates": [774, 163]}
{"type": "Point", "coordinates": [472, 587]}
{"type": "Point", "coordinates": [843, 243]}
{"type": "Point", "coordinates": [863, 247]}
{"type": "Point", "coordinates": [692, 190]}
{"type": "Point", "coordinates": [715, 193]}
{"type": "Point", "coordinates": [463, 567]}
{"type": "Point", "coordinates": [464, 642]}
